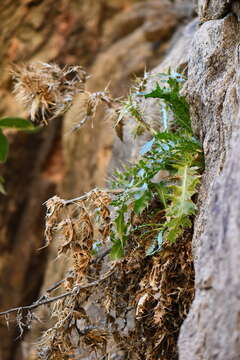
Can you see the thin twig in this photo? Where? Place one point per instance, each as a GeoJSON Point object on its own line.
{"type": "Point", "coordinates": [85, 196]}
{"type": "Point", "coordinates": [75, 291]}
{"type": "Point", "coordinates": [56, 285]}
{"type": "Point", "coordinates": [37, 303]}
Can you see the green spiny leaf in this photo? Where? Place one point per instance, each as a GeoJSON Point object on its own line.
{"type": "Point", "coordinates": [181, 207]}
{"type": "Point", "coordinates": [142, 202]}
{"type": "Point", "coordinates": [163, 193]}
{"type": "Point", "coordinates": [177, 103]}
{"type": "Point", "coordinates": [15, 123]}
{"type": "Point", "coordinates": [120, 224]}
{"type": "Point", "coordinates": [175, 228]}
{"type": "Point", "coordinates": [181, 197]}
{"type": "Point", "coordinates": [117, 250]}
{"type": "Point", "coordinates": [175, 150]}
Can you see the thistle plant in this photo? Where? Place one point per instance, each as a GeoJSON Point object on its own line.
{"type": "Point", "coordinates": [177, 154]}
{"type": "Point", "coordinates": [143, 221]}
{"type": "Point", "coordinates": [48, 91]}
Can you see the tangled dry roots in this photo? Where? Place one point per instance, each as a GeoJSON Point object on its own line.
{"type": "Point", "coordinates": [137, 304]}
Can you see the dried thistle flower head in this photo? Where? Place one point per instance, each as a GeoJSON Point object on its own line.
{"type": "Point", "coordinates": [46, 90]}
{"type": "Point", "coordinates": [90, 103]}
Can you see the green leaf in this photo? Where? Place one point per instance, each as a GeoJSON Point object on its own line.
{"type": "Point", "coordinates": [177, 103]}
{"type": "Point", "coordinates": [120, 224]}
{"type": "Point", "coordinates": [117, 251]}
{"type": "Point", "coordinates": [142, 202]}
{"type": "Point", "coordinates": [119, 221]}
{"type": "Point", "coordinates": [181, 207]}
{"type": "Point", "coordinates": [162, 191]}
{"type": "Point", "coordinates": [175, 228]}
{"type": "Point", "coordinates": [182, 203]}
{"type": "Point", "coordinates": [160, 239]}
{"type": "Point", "coordinates": [3, 147]}
{"type": "Point", "coordinates": [15, 123]}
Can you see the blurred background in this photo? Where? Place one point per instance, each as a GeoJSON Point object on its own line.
{"type": "Point", "coordinates": [114, 40]}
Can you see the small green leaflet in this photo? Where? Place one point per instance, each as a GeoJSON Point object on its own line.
{"type": "Point", "coordinates": [175, 101]}
{"type": "Point", "coordinates": [142, 198]}
{"type": "Point", "coordinates": [175, 228]}
{"type": "Point", "coordinates": [182, 193]}
{"type": "Point", "coordinates": [3, 147]}
{"type": "Point", "coordinates": [15, 123]}
{"type": "Point", "coordinates": [117, 251]}
{"type": "Point", "coordinates": [142, 202]}
{"type": "Point", "coordinates": [162, 191]}
{"type": "Point", "coordinates": [120, 222]}
{"type": "Point", "coordinates": [156, 245]}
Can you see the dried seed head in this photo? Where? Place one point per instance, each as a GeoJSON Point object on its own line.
{"type": "Point", "coordinates": [90, 103]}
{"type": "Point", "coordinates": [46, 90]}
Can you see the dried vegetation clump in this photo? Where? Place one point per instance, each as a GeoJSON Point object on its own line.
{"type": "Point", "coordinates": [133, 306]}
{"type": "Point", "coordinates": [47, 91]}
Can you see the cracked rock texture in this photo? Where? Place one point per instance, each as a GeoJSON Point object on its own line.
{"type": "Point", "coordinates": [212, 328]}
{"type": "Point", "coordinates": [213, 9]}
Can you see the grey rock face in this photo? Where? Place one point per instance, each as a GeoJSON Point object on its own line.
{"type": "Point", "coordinates": [211, 88]}
{"type": "Point", "coordinates": [236, 9]}
{"type": "Point", "coordinates": [212, 328]}
{"type": "Point", "coordinates": [213, 9]}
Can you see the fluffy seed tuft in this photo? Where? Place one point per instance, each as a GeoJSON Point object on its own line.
{"type": "Point", "coordinates": [46, 90]}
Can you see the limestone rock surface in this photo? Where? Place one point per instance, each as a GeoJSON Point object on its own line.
{"type": "Point", "coordinates": [213, 9]}
{"type": "Point", "coordinates": [211, 330]}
